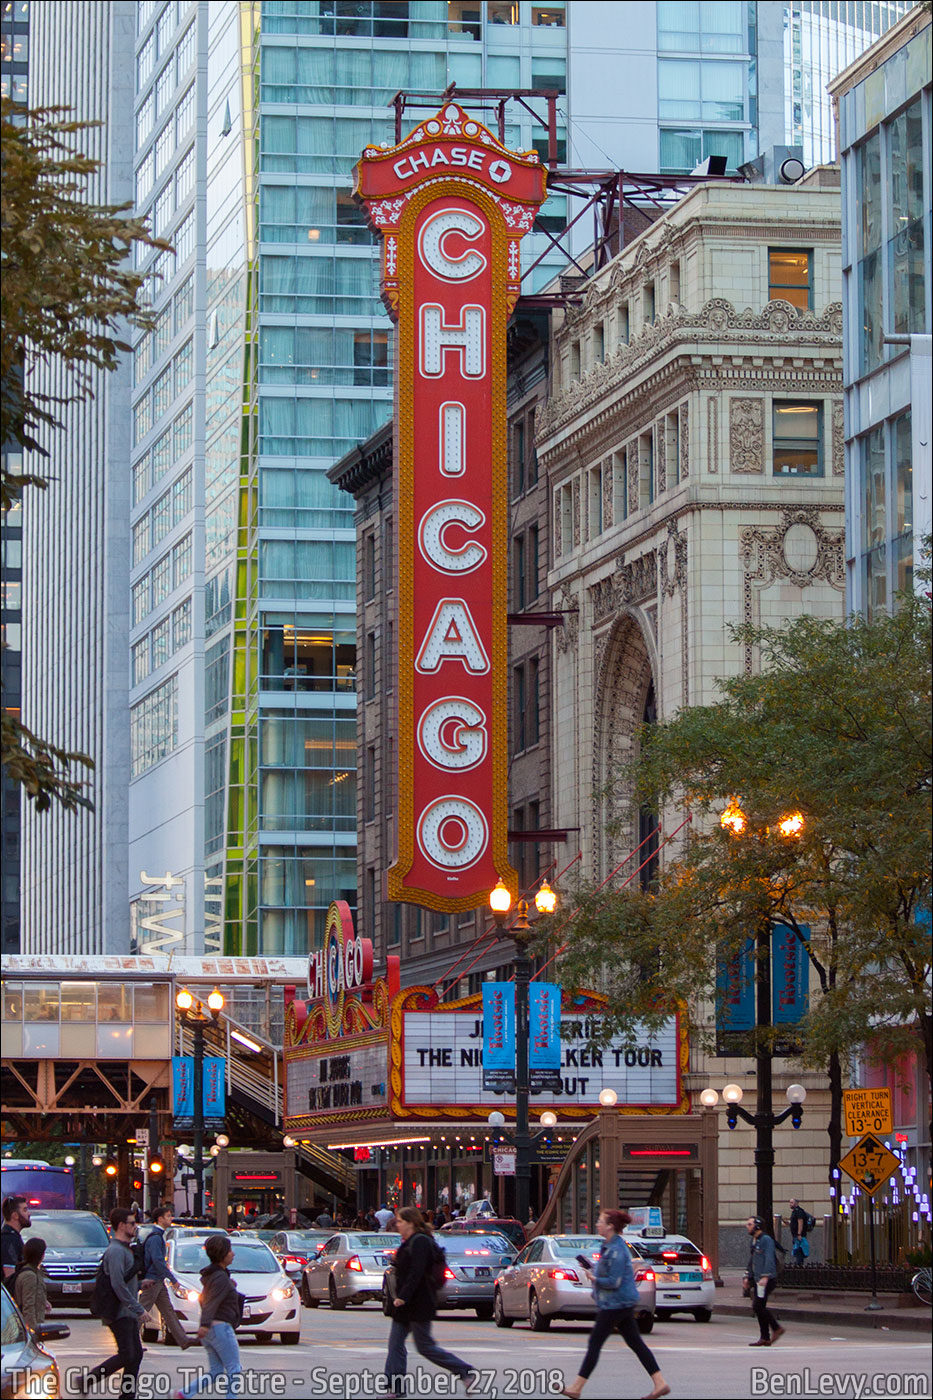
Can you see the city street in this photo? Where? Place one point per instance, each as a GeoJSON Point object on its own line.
{"type": "Point", "coordinates": [343, 1355]}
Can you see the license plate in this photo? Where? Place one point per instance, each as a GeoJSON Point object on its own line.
{"type": "Point", "coordinates": [480, 1273]}
{"type": "Point", "coordinates": [246, 1312]}
{"type": "Point", "coordinates": [71, 1288]}
{"type": "Point", "coordinates": [671, 1278]}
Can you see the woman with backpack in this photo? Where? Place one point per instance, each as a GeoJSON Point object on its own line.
{"type": "Point", "coordinates": [221, 1314]}
{"type": "Point", "coordinates": [29, 1289]}
{"type": "Point", "coordinates": [418, 1262]}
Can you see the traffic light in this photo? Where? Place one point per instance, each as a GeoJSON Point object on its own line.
{"type": "Point", "coordinates": [136, 1182]}
{"type": "Point", "coordinates": [110, 1170]}
{"type": "Point", "coordinates": [156, 1163]}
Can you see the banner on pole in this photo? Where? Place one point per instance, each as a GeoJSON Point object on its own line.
{"type": "Point", "coordinates": [735, 996]}
{"type": "Point", "coordinates": [499, 1036]}
{"type": "Point", "coordinates": [543, 1036]}
{"type": "Point", "coordinates": [214, 1086]}
{"type": "Point", "coordinates": [790, 969]}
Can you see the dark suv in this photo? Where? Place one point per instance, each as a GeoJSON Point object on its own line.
{"type": "Point", "coordinates": [513, 1229]}
{"type": "Point", "coordinates": [74, 1243]}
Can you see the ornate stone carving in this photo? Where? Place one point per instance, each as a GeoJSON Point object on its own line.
{"type": "Point", "coordinates": [608, 511]}
{"type": "Point", "coordinates": [776, 325]}
{"type": "Point", "coordinates": [623, 677]}
{"type": "Point", "coordinates": [838, 439]}
{"type": "Point", "coordinates": [747, 435]}
{"type": "Point", "coordinates": [632, 458]}
{"type": "Point", "coordinates": [712, 435]}
{"type": "Point", "coordinates": [672, 561]}
{"type": "Point", "coordinates": [684, 440]}
{"type": "Point", "coordinates": [639, 579]}
{"type": "Point", "coordinates": [606, 598]}
{"type": "Point", "coordinates": [799, 550]}
{"type": "Point", "coordinates": [558, 539]}
{"type": "Point", "coordinates": [576, 511]}
{"type": "Point", "coordinates": [660, 455]}
{"type": "Point", "coordinates": [568, 635]}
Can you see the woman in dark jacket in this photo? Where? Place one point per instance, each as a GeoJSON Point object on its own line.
{"type": "Point", "coordinates": [221, 1312]}
{"type": "Point", "coordinates": [415, 1303]}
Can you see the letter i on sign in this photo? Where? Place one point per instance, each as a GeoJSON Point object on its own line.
{"type": "Point", "coordinates": [452, 204]}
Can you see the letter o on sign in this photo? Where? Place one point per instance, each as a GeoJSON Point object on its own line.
{"type": "Point", "coordinates": [453, 833]}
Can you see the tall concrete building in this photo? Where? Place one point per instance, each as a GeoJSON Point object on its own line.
{"type": "Point", "coordinates": [271, 358]}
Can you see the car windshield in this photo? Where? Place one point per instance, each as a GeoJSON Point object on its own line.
{"type": "Point", "coordinates": [383, 1240]}
{"type": "Point", "coordinates": [12, 1329]}
{"type": "Point", "coordinates": [69, 1231]}
{"type": "Point", "coordinates": [476, 1244]}
{"type": "Point", "coordinates": [660, 1249]}
{"type": "Point", "coordinates": [296, 1238]}
{"type": "Point", "coordinates": [248, 1258]}
{"type": "Point", "coordinates": [572, 1245]}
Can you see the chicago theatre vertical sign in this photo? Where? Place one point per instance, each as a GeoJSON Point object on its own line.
{"type": "Point", "coordinates": [452, 204]}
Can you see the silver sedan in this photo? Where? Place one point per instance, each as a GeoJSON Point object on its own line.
{"type": "Point", "coordinates": [349, 1269]}
{"type": "Point", "coordinates": [547, 1281]}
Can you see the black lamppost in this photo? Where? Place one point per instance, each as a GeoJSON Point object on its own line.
{"type": "Point", "coordinates": [500, 902]}
{"type": "Point", "coordinates": [193, 1013]}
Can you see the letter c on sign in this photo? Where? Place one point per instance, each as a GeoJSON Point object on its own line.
{"type": "Point", "coordinates": [452, 559]}
{"type": "Point", "coordinates": [432, 239]}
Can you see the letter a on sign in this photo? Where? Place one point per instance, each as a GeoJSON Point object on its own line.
{"type": "Point", "coordinates": [452, 204]}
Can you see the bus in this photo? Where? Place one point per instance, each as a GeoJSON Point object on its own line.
{"type": "Point", "coordinates": [41, 1185]}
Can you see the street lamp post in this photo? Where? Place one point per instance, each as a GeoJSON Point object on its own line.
{"type": "Point", "coordinates": [193, 1013]}
{"type": "Point", "coordinates": [500, 901]}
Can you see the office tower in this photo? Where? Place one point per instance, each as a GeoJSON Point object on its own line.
{"type": "Point", "coordinates": [884, 103]}
{"type": "Point", "coordinates": [271, 358]}
{"type": "Point", "coordinates": [76, 538]}
{"type": "Point", "coordinates": [14, 83]}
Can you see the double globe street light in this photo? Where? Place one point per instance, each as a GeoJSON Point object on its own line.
{"type": "Point", "coordinates": [197, 1015]}
{"type": "Point", "coordinates": [500, 902]}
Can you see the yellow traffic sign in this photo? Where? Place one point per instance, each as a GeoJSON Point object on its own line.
{"type": "Point", "coordinates": [868, 1111]}
{"type": "Point", "coordinates": [869, 1164]}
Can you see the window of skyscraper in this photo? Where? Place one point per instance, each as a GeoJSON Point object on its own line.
{"type": "Point", "coordinates": [549, 16]}
{"type": "Point", "coordinates": [905, 236]}
{"type": "Point", "coordinates": [797, 439]}
{"type": "Point", "coordinates": [682, 150]}
{"type": "Point", "coordinates": [790, 276]}
{"type": "Point", "coordinates": [502, 12]}
{"type": "Point", "coordinates": [465, 18]}
{"type": "Point", "coordinates": [691, 90]}
{"type": "Point", "coordinates": [702, 26]}
{"type": "Point", "coordinates": [869, 251]}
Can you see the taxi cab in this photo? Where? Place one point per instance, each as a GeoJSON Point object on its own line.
{"type": "Point", "coordinates": [683, 1275]}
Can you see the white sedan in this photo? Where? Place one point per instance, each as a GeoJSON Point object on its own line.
{"type": "Point", "coordinates": [683, 1276]}
{"type": "Point", "coordinates": [271, 1303]}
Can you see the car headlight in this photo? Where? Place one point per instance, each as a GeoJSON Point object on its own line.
{"type": "Point", "coordinates": [186, 1294]}
{"type": "Point", "coordinates": [279, 1295]}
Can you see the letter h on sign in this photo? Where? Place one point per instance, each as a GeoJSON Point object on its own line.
{"type": "Point", "coordinates": [452, 204]}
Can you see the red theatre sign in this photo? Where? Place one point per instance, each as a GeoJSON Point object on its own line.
{"type": "Point", "coordinates": [452, 204]}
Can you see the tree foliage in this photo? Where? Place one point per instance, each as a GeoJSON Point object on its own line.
{"type": "Point", "coordinates": [68, 294]}
{"type": "Point", "coordinates": [836, 726]}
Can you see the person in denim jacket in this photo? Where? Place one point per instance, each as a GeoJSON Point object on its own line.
{"type": "Point", "coordinates": [616, 1297]}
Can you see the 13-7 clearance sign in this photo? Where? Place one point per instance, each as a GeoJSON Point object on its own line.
{"type": "Point", "coordinates": [452, 204]}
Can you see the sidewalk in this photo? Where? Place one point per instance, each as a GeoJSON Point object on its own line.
{"type": "Point", "coordinates": [829, 1308]}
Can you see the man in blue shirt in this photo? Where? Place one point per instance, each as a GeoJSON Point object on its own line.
{"type": "Point", "coordinates": [761, 1281]}
{"type": "Point", "coordinates": [153, 1291]}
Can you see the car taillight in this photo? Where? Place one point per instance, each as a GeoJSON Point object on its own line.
{"type": "Point", "coordinates": [449, 1273]}
{"type": "Point", "coordinates": [645, 1276]}
{"type": "Point", "coordinates": [706, 1267]}
{"type": "Point", "coordinates": [669, 1254]}
{"type": "Point", "coordinates": [320, 1246]}
{"type": "Point", "coordinates": [566, 1275]}
{"type": "Point", "coordinates": [355, 1264]}
{"type": "Point", "coordinates": [294, 1259]}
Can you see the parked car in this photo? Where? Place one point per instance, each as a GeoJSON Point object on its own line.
{"type": "Point", "coordinates": [75, 1241]}
{"type": "Point", "coordinates": [474, 1262]}
{"type": "Point", "coordinates": [26, 1368]}
{"type": "Point", "coordinates": [296, 1248]}
{"type": "Point", "coordinates": [506, 1225]}
{"type": "Point", "coordinates": [683, 1274]}
{"type": "Point", "coordinates": [271, 1299]}
{"type": "Point", "coordinates": [546, 1282]}
{"type": "Point", "coordinates": [349, 1269]}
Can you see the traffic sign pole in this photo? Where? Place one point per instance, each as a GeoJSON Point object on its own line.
{"type": "Point", "coordinates": [874, 1305]}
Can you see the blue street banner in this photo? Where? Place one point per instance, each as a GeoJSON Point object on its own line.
{"type": "Point", "coordinates": [499, 1036]}
{"type": "Point", "coordinates": [790, 976]}
{"type": "Point", "coordinates": [214, 1086]}
{"type": "Point", "coordinates": [182, 1086]}
{"type": "Point", "coordinates": [543, 1035]}
{"type": "Point", "coordinates": [735, 992]}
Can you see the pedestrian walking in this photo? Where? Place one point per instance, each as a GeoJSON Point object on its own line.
{"type": "Point", "coordinates": [799, 1229]}
{"type": "Point", "coordinates": [384, 1215]}
{"type": "Point", "coordinates": [29, 1289]}
{"type": "Point", "coordinates": [616, 1296]}
{"type": "Point", "coordinates": [324, 1220]}
{"type": "Point", "coordinates": [120, 1307]}
{"type": "Point", "coordinates": [153, 1291]}
{"type": "Point", "coordinates": [761, 1281]}
{"type": "Point", "coordinates": [221, 1314]}
{"type": "Point", "coordinates": [415, 1302]}
{"type": "Point", "coordinates": [16, 1219]}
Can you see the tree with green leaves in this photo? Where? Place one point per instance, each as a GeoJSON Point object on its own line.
{"type": "Point", "coordinates": [834, 731]}
{"type": "Point", "coordinates": [68, 295]}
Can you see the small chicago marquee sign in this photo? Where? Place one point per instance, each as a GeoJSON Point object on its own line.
{"type": "Point", "coordinates": [452, 204]}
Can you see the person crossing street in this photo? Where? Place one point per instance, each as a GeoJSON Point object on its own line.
{"type": "Point", "coordinates": [761, 1281]}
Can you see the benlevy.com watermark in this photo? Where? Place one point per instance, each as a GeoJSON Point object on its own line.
{"type": "Point", "coordinates": [859, 1384]}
